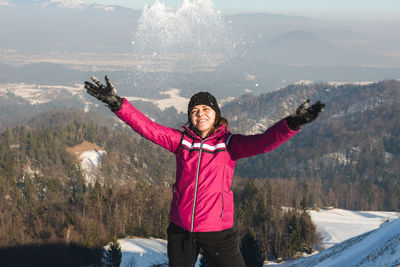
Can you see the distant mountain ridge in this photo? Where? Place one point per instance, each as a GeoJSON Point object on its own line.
{"type": "Point", "coordinates": [342, 100]}
{"type": "Point", "coordinates": [68, 4]}
{"type": "Point", "coordinates": [56, 26]}
{"type": "Point", "coordinates": [51, 26]}
{"type": "Point", "coordinates": [355, 140]}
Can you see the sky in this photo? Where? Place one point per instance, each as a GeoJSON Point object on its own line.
{"type": "Point", "coordinates": [331, 9]}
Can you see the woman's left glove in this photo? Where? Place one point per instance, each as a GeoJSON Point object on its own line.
{"type": "Point", "coordinates": [304, 114]}
{"type": "Point", "coordinates": [105, 93]}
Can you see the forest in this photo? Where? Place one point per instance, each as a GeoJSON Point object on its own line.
{"type": "Point", "coordinates": [47, 200]}
{"type": "Point", "coordinates": [348, 159]}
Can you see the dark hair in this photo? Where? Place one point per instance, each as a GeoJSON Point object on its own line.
{"type": "Point", "coordinates": [219, 120]}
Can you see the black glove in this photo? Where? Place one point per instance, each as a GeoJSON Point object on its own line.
{"type": "Point", "coordinates": [106, 94]}
{"type": "Point", "coordinates": [304, 114]}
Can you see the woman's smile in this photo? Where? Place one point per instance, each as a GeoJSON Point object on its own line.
{"type": "Point", "coordinates": [203, 119]}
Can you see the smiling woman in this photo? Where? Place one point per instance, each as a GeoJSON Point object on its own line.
{"type": "Point", "coordinates": [202, 207]}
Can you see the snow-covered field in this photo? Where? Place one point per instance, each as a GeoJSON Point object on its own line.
{"type": "Point", "coordinates": [89, 156]}
{"type": "Point", "coordinates": [39, 94]}
{"type": "Point", "coordinates": [143, 252]}
{"type": "Point", "coordinates": [363, 246]}
{"type": "Point", "coordinates": [380, 247]}
{"type": "Point", "coordinates": [174, 100]}
{"type": "Point", "coordinates": [337, 225]}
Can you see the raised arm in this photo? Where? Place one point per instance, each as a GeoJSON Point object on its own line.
{"type": "Point", "coordinates": [242, 146]}
{"type": "Point", "coordinates": [166, 137]}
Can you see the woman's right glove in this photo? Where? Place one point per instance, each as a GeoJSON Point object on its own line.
{"type": "Point", "coordinates": [304, 114]}
{"type": "Point", "coordinates": [105, 93]}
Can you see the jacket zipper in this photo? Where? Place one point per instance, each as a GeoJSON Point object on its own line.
{"type": "Point", "coordinates": [197, 183]}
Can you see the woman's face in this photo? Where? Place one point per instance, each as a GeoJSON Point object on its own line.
{"type": "Point", "coordinates": [202, 117]}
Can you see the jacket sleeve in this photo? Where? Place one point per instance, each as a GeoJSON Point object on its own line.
{"type": "Point", "coordinates": [166, 137]}
{"type": "Point", "coordinates": [243, 146]}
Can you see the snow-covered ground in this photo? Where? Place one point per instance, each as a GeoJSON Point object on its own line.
{"type": "Point", "coordinates": [144, 252]}
{"type": "Point", "coordinates": [89, 161]}
{"type": "Point", "coordinates": [174, 100]}
{"type": "Point", "coordinates": [364, 246]}
{"type": "Point", "coordinates": [39, 94]}
{"type": "Point", "coordinates": [337, 225]}
{"type": "Point", "coordinates": [89, 156]}
{"type": "Point", "coordinates": [380, 247]}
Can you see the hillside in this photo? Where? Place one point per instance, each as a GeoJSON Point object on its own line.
{"type": "Point", "coordinates": [352, 147]}
{"type": "Point", "coordinates": [348, 158]}
{"type": "Point", "coordinates": [381, 238]}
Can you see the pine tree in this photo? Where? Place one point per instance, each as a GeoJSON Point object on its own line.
{"type": "Point", "coordinates": [252, 251]}
{"type": "Point", "coordinates": [113, 255]}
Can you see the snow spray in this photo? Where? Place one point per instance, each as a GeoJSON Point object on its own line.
{"type": "Point", "coordinates": [193, 37]}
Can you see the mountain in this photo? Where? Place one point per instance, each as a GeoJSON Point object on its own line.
{"type": "Point", "coordinates": [44, 26]}
{"type": "Point", "coordinates": [70, 4]}
{"type": "Point", "coordinates": [301, 47]}
{"type": "Point", "coordinates": [63, 43]}
{"type": "Point", "coordinates": [348, 158]}
{"type": "Point", "coordinates": [343, 101]}
{"type": "Point", "coordinates": [296, 40]}
{"type": "Point", "coordinates": [351, 147]}
{"type": "Point", "coordinates": [39, 27]}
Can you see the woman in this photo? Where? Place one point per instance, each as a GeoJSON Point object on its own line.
{"type": "Point", "coordinates": [201, 212]}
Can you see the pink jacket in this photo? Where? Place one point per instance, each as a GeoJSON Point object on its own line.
{"type": "Point", "coordinates": [202, 198]}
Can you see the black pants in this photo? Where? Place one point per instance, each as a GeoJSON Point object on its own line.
{"type": "Point", "coordinates": [221, 247]}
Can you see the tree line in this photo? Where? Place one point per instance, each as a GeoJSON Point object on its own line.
{"type": "Point", "coordinates": [350, 163]}
{"type": "Point", "coordinates": [351, 152]}
{"type": "Point", "coordinates": [46, 199]}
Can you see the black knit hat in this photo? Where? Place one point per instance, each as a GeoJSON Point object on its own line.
{"type": "Point", "coordinates": [204, 98]}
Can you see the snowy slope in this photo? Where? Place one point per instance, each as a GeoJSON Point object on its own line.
{"type": "Point", "coordinates": [372, 247]}
{"type": "Point", "coordinates": [144, 252]}
{"type": "Point", "coordinates": [380, 247]}
{"type": "Point", "coordinates": [39, 94]}
{"type": "Point", "coordinates": [90, 161]}
{"type": "Point", "coordinates": [89, 156]}
{"type": "Point", "coordinates": [337, 225]}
